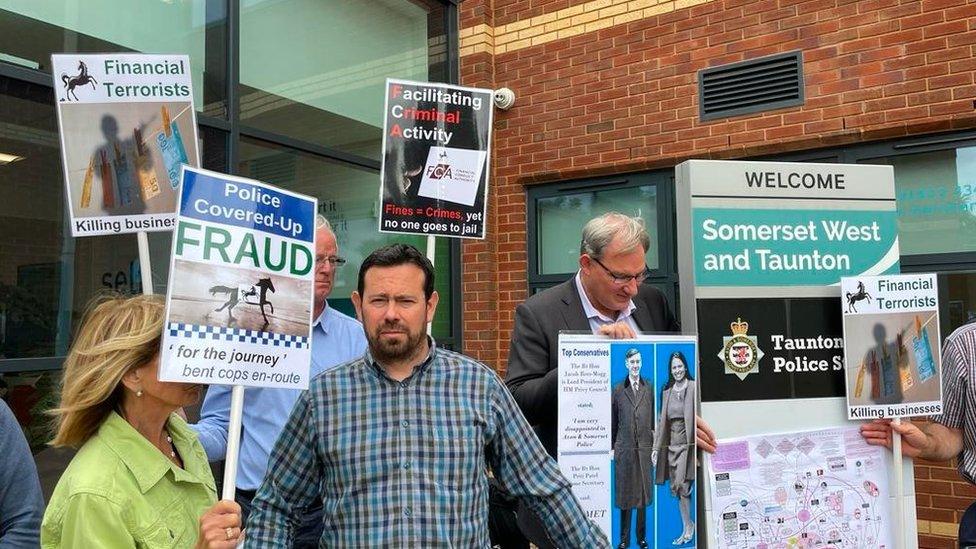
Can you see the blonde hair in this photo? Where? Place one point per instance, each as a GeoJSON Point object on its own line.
{"type": "Point", "coordinates": [117, 334]}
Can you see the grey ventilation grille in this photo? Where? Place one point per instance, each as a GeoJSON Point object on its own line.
{"type": "Point", "coordinates": [751, 86]}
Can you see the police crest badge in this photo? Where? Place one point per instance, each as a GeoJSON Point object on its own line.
{"type": "Point", "coordinates": [740, 351]}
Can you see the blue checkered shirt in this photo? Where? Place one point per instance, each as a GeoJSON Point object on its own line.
{"type": "Point", "coordinates": [403, 464]}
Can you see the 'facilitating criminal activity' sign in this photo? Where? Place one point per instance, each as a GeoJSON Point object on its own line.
{"type": "Point", "coordinates": [238, 309]}
{"type": "Point", "coordinates": [127, 127]}
{"type": "Point", "coordinates": [891, 326]}
{"type": "Point", "coordinates": [435, 159]}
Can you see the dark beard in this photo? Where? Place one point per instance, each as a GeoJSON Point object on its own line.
{"type": "Point", "coordinates": [385, 353]}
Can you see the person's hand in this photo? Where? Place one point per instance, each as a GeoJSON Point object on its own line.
{"type": "Point", "coordinates": [653, 456]}
{"type": "Point", "coordinates": [704, 437]}
{"type": "Point", "coordinates": [617, 330]}
{"type": "Point", "coordinates": [220, 526]}
{"type": "Point", "coordinates": [913, 441]}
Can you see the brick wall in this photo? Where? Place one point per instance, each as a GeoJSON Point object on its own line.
{"type": "Point", "coordinates": [609, 86]}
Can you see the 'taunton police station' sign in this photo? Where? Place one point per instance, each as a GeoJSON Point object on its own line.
{"type": "Point", "coordinates": [769, 243]}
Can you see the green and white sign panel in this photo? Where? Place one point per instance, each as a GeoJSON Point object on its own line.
{"type": "Point", "coordinates": [757, 247]}
{"type": "Point", "coordinates": [239, 305]}
{"type": "Point", "coordinates": [759, 224]}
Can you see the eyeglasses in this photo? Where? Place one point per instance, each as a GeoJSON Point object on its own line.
{"type": "Point", "coordinates": [623, 279]}
{"type": "Point", "coordinates": [333, 260]}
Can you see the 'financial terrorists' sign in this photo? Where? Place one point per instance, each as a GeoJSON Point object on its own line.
{"type": "Point", "coordinates": [435, 159]}
{"type": "Point", "coordinates": [127, 127]}
{"type": "Point", "coordinates": [891, 326]}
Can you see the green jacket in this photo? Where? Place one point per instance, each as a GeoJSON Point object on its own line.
{"type": "Point", "coordinates": [121, 491]}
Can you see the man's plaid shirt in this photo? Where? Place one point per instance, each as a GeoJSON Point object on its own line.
{"type": "Point", "coordinates": [402, 464]}
{"type": "Point", "coordinates": [959, 393]}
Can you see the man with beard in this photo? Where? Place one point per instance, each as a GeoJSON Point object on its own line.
{"type": "Point", "coordinates": [336, 338]}
{"type": "Point", "coordinates": [395, 444]}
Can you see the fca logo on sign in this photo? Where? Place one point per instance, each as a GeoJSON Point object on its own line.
{"type": "Point", "coordinates": [440, 171]}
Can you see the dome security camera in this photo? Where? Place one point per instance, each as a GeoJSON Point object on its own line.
{"type": "Point", "coordinates": [504, 98]}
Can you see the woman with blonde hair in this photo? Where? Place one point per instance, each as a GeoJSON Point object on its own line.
{"type": "Point", "coordinates": [140, 478]}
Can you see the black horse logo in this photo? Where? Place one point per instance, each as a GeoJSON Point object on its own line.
{"type": "Point", "coordinates": [859, 296]}
{"type": "Point", "coordinates": [82, 79]}
{"type": "Point", "coordinates": [260, 289]}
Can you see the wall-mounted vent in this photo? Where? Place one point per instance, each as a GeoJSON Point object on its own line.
{"type": "Point", "coordinates": [751, 86]}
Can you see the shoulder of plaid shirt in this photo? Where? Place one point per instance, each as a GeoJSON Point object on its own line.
{"type": "Point", "coordinates": [383, 453]}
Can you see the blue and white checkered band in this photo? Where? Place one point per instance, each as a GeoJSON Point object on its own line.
{"type": "Point", "coordinates": [233, 334]}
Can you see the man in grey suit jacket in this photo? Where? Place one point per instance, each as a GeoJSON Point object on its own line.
{"type": "Point", "coordinates": [606, 297]}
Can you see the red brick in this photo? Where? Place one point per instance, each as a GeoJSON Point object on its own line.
{"type": "Point", "coordinates": [874, 69]}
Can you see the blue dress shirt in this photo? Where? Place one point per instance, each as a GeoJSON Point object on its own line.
{"type": "Point", "coordinates": [336, 339]}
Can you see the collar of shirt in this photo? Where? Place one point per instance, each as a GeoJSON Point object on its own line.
{"type": "Point", "coordinates": [590, 311]}
{"type": "Point", "coordinates": [146, 463]}
{"type": "Point", "coordinates": [322, 322]}
{"type": "Point", "coordinates": [418, 370]}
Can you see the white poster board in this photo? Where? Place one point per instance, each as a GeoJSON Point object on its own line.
{"type": "Point", "coordinates": [238, 309]}
{"type": "Point", "coordinates": [892, 346]}
{"type": "Point", "coordinates": [614, 397]}
{"type": "Point", "coordinates": [823, 488]}
{"type": "Point", "coordinates": [127, 126]}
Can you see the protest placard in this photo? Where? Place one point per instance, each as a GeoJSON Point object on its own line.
{"type": "Point", "coordinates": [626, 434]}
{"type": "Point", "coordinates": [436, 145]}
{"type": "Point", "coordinates": [127, 125]}
{"type": "Point", "coordinates": [239, 305]}
{"type": "Point", "coordinates": [891, 350]}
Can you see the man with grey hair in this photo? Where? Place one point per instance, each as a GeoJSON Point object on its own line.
{"type": "Point", "coordinates": [605, 297]}
{"type": "Point", "coordinates": [336, 338]}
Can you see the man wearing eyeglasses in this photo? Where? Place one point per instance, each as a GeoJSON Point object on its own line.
{"type": "Point", "coordinates": [605, 297]}
{"type": "Point", "coordinates": [336, 339]}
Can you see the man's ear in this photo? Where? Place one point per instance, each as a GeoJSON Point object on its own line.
{"type": "Point", "coordinates": [585, 262]}
{"type": "Point", "coordinates": [357, 302]}
{"type": "Point", "coordinates": [432, 306]}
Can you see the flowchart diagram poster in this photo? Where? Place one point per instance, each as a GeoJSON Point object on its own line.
{"type": "Point", "coordinates": [825, 488]}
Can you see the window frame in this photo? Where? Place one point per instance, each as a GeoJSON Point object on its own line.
{"type": "Point", "coordinates": [664, 277]}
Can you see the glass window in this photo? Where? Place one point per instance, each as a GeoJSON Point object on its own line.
{"type": "Point", "coordinates": [31, 30]}
{"type": "Point", "coordinates": [561, 218]}
{"type": "Point", "coordinates": [331, 93]}
{"type": "Point", "coordinates": [957, 299]}
{"type": "Point", "coordinates": [936, 194]}
{"type": "Point", "coordinates": [349, 199]}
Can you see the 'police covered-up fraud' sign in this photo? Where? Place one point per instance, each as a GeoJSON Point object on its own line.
{"type": "Point", "coordinates": [622, 403]}
{"type": "Point", "coordinates": [891, 330]}
{"type": "Point", "coordinates": [238, 309]}
{"type": "Point", "coordinates": [127, 126]}
{"type": "Point", "coordinates": [762, 250]}
{"type": "Point", "coordinates": [436, 145]}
